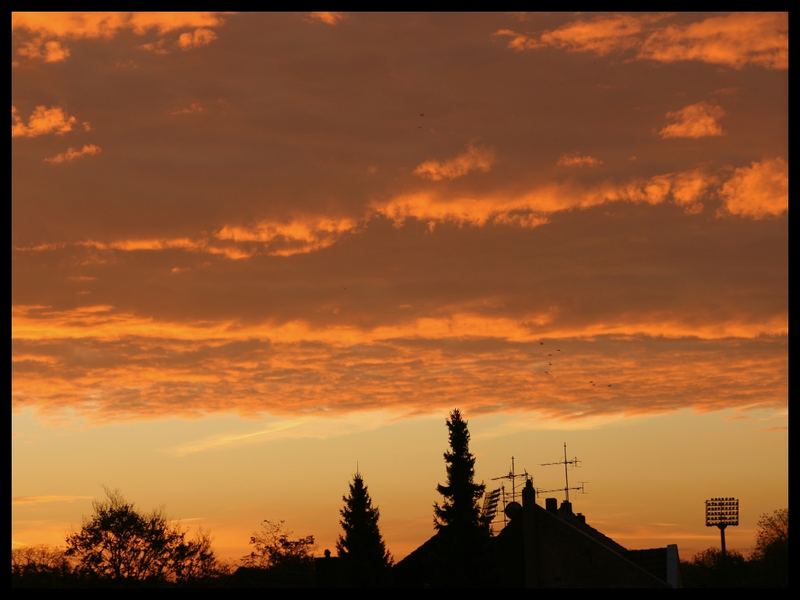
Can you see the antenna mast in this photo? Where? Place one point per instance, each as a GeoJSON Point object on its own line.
{"type": "Point", "coordinates": [512, 475]}
{"type": "Point", "coordinates": [574, 462]}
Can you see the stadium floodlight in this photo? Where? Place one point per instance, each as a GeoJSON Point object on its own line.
{"type": "Point", "coordinates": [722, 513]}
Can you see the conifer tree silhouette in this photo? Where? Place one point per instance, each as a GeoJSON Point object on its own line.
{"type": "Point", "coordinates": [362, 548]}
{"type": "Point", "coordinates": [459, 510]}
{"type": "Point", "coordinates": [457, 519]}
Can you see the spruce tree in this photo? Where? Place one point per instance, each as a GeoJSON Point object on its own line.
{"type": "Point", "coordinates": [459, 510]}
{"type": "Point", "coordinates": [361, 548]}
{"type": "Point", "coordinates": [464, 537]}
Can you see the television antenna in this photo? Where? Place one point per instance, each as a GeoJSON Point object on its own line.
{"type": "Point", "coordinates": [512, 475]}
{"type": "Point", "coordinates": [580, 488]}
{"type": "Point", "coordinates": [574, 462]}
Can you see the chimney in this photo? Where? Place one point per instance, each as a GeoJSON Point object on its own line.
{"type": "Point", "coordinates": [530, 541]}
{"type": "Point", "coordinates": [581, 518]}
{"type": "Point", "coordinates": [528, 494]}
{"type": "Point", "coordinates": [551, 504]}
{"type": "Point", "coordinates": [566, 508]}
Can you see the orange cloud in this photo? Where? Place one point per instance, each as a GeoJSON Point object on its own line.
{"type": "Point", "coordinates": [104, 322]}
{"type": "Point", "coordinates": [47, 30]}
{"type": "Point", "coordinates": [329, 18]}
{"type": "Point", "coordinates": [733, 40]}
{"type": "Point", "coordinates": [47, 499]}
{"type": "Point", "coordinates": [689, 187]}
{"type": "Point", "coordinates": [157, 47]}
{"type": "Point", "coordinates": [755, 191]}
{"type": "Point", "coordinates": [578, 160]}
{"type": "Point", "coordinates": [47, 51]}
{"type": "Point", "coordinates": [112, 365]}
{"type": "Point", "coordinates": [694, 121]}
{"type": "Point", "coordinates": [235, 242]}
{"type": "Point", "coordinates": [43, 121]}
{"type": "Point", "coordinates": [531, 208]}
{"type": "Point", "coordinates": [474, 158]}
{"type": "Point", "coordinates": [196, 38]}
{"type": "Point", "coordinates": [194, 108]}
{"type": "Point", "coordinates": [298, 236]}
{"type": "Point", "coordinates": [78, 25]}
{"type": "Point", "coordinates": [519, 41]}
{"type": "Point", "coordinates": [758, 191]}
{"type": "Point", "coordinates": [72, 154]}
{"type": "Point", "coordinates": [600, 35]}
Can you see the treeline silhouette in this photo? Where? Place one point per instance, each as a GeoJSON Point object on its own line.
{"type": "Point", "coordinates": [767, 566]}
{"type": "Point", "coordinates": [121, 546]}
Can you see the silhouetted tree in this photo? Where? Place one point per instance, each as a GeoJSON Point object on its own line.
{"type": "Point", "coordinates": [288, 560]}
{"type": "Point", "coordinates": [459, 510]}
{"type": "Point", "coordinates": [773, 531]}
{"type": "Point", "coordinates": [38, 560]}
{"type": "Point", "coordinates": [771, 556]}
{"type": "Point", "coordinates": [120, 543]}
{"type": "Point", "coordinates": [361, 548]}
{"type": "Point", "coordinates": [458, 517]}
{"type": "Point", "coordinates": [40, 566]}
{"type": "Point", "coordinates": [709, 568]}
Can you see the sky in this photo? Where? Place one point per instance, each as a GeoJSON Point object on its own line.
{"type": "Point", "coordinates": [254, 252]}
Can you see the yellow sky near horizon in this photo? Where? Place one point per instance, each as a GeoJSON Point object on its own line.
{"type": "Point", "coordinates": [297, 471]}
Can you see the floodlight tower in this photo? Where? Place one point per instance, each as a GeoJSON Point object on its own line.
{"type": "Point", "coordinates": [722, 513]}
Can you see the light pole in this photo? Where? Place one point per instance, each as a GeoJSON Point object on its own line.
{"type": "Point", "coordinates": [722, 513]}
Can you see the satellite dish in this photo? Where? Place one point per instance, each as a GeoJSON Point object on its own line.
{"type": "Point", "coordinates": [513, 510]}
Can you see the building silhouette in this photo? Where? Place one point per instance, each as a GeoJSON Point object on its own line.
{"type": "Point", "coordinates": [549, 546]}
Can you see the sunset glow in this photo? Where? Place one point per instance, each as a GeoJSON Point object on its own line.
{"type": "Point", "coordinates": [251, 251]}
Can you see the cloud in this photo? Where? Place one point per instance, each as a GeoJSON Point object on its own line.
{"type": "Point", "coordinates": [235, 242]}
{"type": "Point", "coordinates": [133, 377]}
{"type": "Point", "coordinates": [193, 108]}
{"type": "Point", "coordinates": [92, 25]}
{"type": "Point", "coordinates": [431, 206]}
{"type": "Point", "coordinates": [690, 187]}
{"type": "Point", "coordinates": [47, 499]}
{"type": "Point", "coordinates": [40, 35]}
{"type": "Point", "coordinates": [329, 18]}
{"type": "Point", "coordinates": [694, 121]}
{"type": "Point", "coordinates": [196, 38]}
{"type": "Point", "coordinates": [578, 160]}
{"type": "Point", "coordinates": [297, 236]}
{"type": "Point", "coordinates": [734, 40]}
{"type": "Point", "coordinates": [159, 46]}
{"type": "Point", "coordinates": [72, 154]}
{"type": "Point", "coordinates": [37, 48]}
{"type": "Point", "coordinates": [532, 208]}
{"type": "Point", "coordinates": [318, 427]}
{"type": "Point", "coordinates": [275, 431]}
{"type": "Point", "coordinates": [475, 158]}
{"type": "Point", "coordinates": [600, 35]}
{"type": "Point", "coordinates": [42, 121]}
{"type": "Point", "coordinates": [758, 191]}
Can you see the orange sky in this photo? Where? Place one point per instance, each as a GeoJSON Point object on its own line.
{"type": "Point", "coordinates": [252, 249]}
